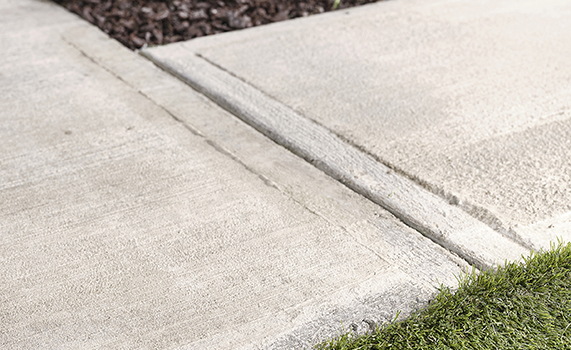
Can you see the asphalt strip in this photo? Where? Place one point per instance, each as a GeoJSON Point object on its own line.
{"type": "Point", "coordinates": [445, 224]}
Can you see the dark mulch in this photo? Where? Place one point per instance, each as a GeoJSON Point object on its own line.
{"type": "Point", "coordinates": [136, 23]}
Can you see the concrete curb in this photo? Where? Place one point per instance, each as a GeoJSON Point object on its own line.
{"type": "Point", "coordinates": [429, 214]}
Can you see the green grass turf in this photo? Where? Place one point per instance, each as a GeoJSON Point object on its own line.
{"type": "Point", "coordinates": [524, 305]}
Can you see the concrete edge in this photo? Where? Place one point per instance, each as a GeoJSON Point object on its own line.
{"type": "Point", "coordinates": [447, 225]}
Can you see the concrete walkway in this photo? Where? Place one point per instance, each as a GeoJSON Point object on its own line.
{"type": "Point", "coordinates": [138, 213]}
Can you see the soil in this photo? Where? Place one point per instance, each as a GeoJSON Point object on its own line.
{"type": "Point", "coordinates": [137, 23]}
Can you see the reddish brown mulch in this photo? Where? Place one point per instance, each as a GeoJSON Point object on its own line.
{"type": "Point", "coordinates": [154, 22]}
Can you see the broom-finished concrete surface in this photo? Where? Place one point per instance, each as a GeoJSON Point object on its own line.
{"type": "Point", "coordinates": [470, 99]}
{"type": "Point", "coordinates": [135, 213]}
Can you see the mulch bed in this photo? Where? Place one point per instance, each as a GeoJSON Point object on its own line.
{"type": "Point", "coordinates": [137, 23]}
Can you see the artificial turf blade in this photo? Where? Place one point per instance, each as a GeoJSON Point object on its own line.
{"type": "Point", "coordinates": [522, 305]}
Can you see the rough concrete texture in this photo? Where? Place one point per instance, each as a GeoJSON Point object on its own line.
{"type": "Point", "coordinates": [470, 99]}
{"type": "Point", "coordinates": [137, 214]}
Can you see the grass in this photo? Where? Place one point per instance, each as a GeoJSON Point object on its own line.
{"type": "Point", "coordinates": [524, 305]}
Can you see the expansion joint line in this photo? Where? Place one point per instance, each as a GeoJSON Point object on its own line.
{"type": "Point", "coordinates": [420, 209]}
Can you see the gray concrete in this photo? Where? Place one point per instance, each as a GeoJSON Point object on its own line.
{"type": "Point", "coordinates": [138, 214]}
{"type": "Point", "coordinates": [445, 224]}
{"type": "Point", "coordinates": [469, 99]}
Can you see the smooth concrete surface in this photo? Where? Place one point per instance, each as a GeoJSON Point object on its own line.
{"type": "Point", "coordinates": [138, 214]}
{"type": "Point", "coordinates": [472, 100]}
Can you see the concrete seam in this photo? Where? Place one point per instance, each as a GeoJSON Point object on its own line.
{"type": "Point", "coordinates": [480, 213]}
{"type": "Point", "coordinates": [366, 175]}
{"type": "Point", "coordinates": [227, 153]}
{"type": "Point", "coordinates": [470, 208]}
{"type": "Point", "coordinates": [194, 131]}
{"type": "Point", "coordinates": [222, 150]}
{"type": "Point", "coordinates": [104, 67]}
{"type": "Point", "coordinates": [477, 212]}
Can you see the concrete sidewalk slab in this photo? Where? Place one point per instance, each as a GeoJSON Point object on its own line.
{"type": "Point", "coordinates": [137, 214]}
{"type": "Point", "coordinates": [471, 100]}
